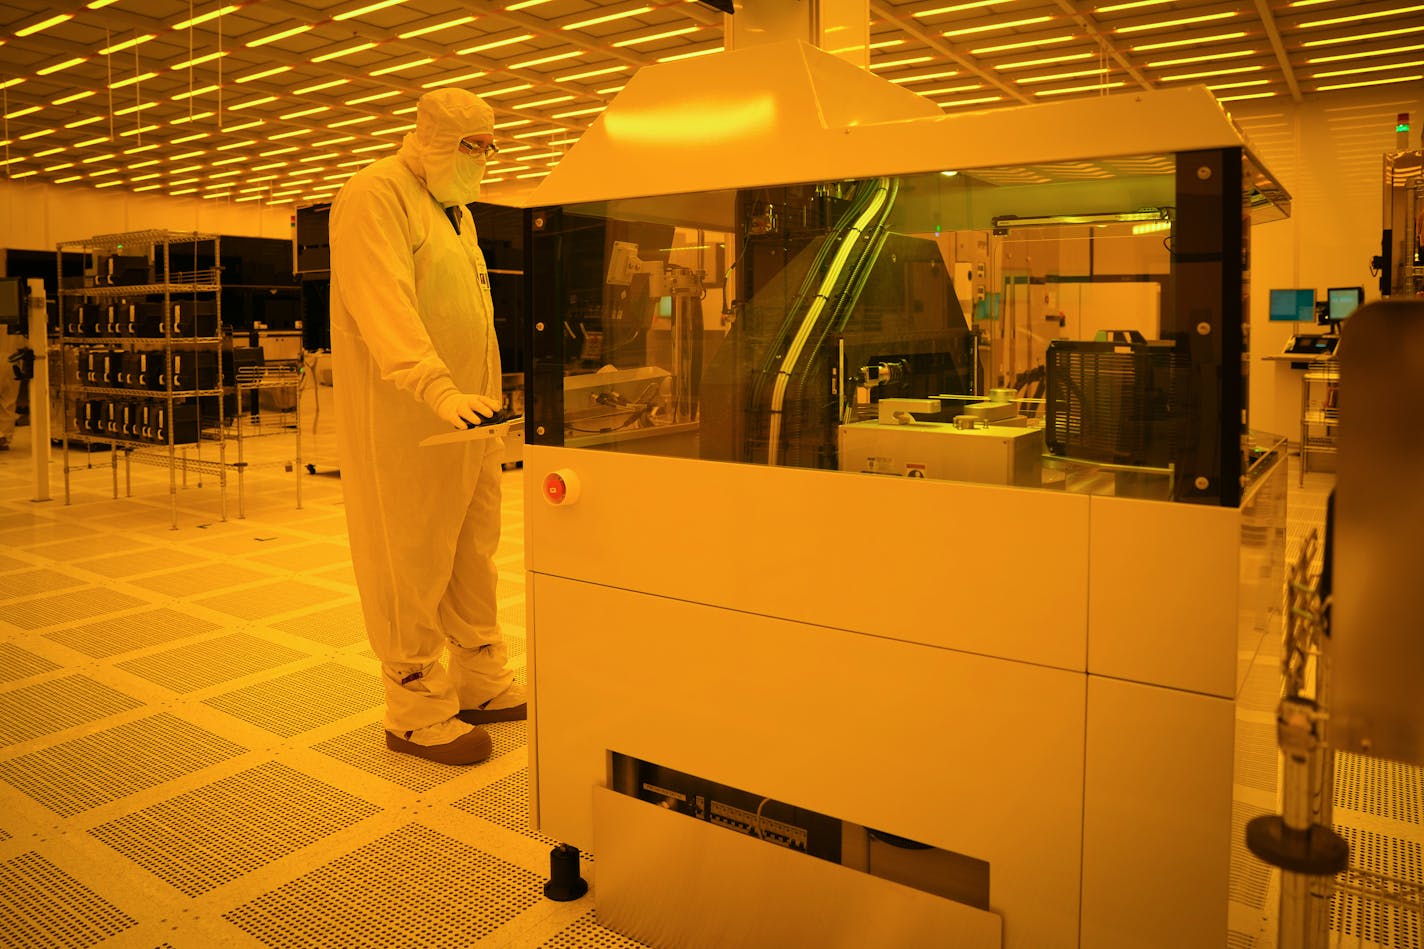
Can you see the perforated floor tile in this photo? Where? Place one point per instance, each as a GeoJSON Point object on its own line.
{"type": "Point", "coordinates": [339, 626]}
{"type": "Point", "coordinates": [209, 836]}
{"type": "Point", "coordinates": [1367, 918]}
{"type": "Point", "coordinates": [42, 906]}
{"type": "Point", "coordinates": [505, 802]}
{"type": "Point", "coordinates": [211, 662]}
{"type": "Point", "coordinates": [304, 557]}
{"type": "Point", "coordinates": [126, 633]}
{"type": "Point", "coordinates": [252, 538]}
{"type": "Point", "coordinates": [200, 581]}
{"type": "Point", "coordinates": [1250, 878]}
{"type": "Point", "coordinates": [47, 707]}
{"type": "Point", "coordinates": [84, 548]}
{"type": "Point", "coordinates": [68, 607]}
{"type": "Point", "coordinates": [134, 562]}
{"type": "Point", "coordinates": [300, 701]}
{"type": "Point", "coordinates": [30, 582]}
{"type": "Point", "coordinates": [40, 533]}
{"type": "Point", "coordinates": [269, 599]}
{"type": "Point", "coordinates": [1388, 789]}
{"type": "Point", "coordinates": [385, 895]}
{"type": "Point", "coordinates": [10, 563]}
{"type": "Point", "coordinates": [17, 664]}
{"type": "Point", "coordinates": [83, 773]}
{"type": "Point", "coordinates": [332, 525]}
{"type": "Point", "coordinates": [585, 933]}
{"type": "Point", "coordinates": [365, 748]}
{"type": "Point", "coordinates": [341, 573]}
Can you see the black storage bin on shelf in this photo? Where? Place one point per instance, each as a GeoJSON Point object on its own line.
{"type": "Point", "coordinates": [1116, 401]}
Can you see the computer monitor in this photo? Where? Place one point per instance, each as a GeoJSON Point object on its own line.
{"type": "Point", "coordinates": [12, 301]}
{"type": "Point", "coordinates": [1340, 302]}
{"type": "Point", "coordinates": [1295, 305]}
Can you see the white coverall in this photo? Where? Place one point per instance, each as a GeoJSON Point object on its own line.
{"type": "Point", "coordinates": [412, 324]}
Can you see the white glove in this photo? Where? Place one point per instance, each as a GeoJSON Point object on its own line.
{"type": "Point", "coordinates": [465, 410]}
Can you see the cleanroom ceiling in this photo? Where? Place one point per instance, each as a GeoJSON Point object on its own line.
{"type": "Point", "coordinates": [279, 102]}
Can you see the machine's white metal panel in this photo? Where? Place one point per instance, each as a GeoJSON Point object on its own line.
{"type": "Point", "coordinates": [1157, 817]}
{"type": "Point", "coordinates": [975, 755]}
{"type": "Point", "coordinates": [668, 880]}
{"type": "Point", "coordinates": [994, 454]}
{"type": "Point", "coordinates": [783, 541]}
{"type": "Point", "coordinates": [1162, 594]}
{"type": "Point", "coordinates": [788, 112]}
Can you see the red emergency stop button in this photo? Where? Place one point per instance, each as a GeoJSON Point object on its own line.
{"type": "Point", "coordinates": [561, 487]}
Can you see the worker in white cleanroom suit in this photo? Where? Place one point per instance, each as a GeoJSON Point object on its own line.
{"type": "Point", "coordinates": [414, 354]}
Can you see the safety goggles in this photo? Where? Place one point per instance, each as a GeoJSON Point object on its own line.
{"type": "Point", "coordinates": [478, 151]}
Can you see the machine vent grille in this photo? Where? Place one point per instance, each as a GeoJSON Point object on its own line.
{"type": "Point", "coordinates": [71, 606]}
{"type": "Point", "coordinates": [338, 626]}
{"type": "Point", "coordinates": [290, 704]}
{"type": "Point", "coordinates": [122, 634]}
{"type": "Point", "coordinates": [384, 894]}
{"type": "Point", "coordinates": [77, 775]}
{"type": "Point", "coordinates": [17, 664]}
{"type": "Point", "coordinates": [49, 707]}
{"type": "Point", "coordinates": [211, 662]}
{"type": "Point", "coordinates": [210, 836]}
{"type": "Point", "coordinates": [42, 906]}
{"type": "Point", "coordinates": [1238, 940]}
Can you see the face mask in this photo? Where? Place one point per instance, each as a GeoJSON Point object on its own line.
{"type": "Point", "coordinates": [454, 177]}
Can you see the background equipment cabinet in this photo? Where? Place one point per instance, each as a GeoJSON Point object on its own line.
{"type": "Point", "coordinates": [1319, 414]}
{"type": "Point", "coordinates": [874, 705]}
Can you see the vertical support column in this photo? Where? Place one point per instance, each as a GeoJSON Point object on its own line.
{"type": "Point", "coordinates": [1210, 264]}
{"type": "Point", "coordinates": [840, 27]}
{"type": "Point", "coordinates": [39, 387]}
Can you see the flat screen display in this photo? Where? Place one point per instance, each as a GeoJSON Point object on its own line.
{"type": "Point", "coordinates": [1295, 305]}
{"type": "Point", "coordinates": [12, 301]}
{"type": "Point", "coordinates": [1342, 301]}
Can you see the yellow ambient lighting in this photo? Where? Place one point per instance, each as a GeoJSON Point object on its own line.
{"type": "Point", "coordinates": [490, 94]}
{"type": "Point", "coordinates": [972, 5]}
{"type": "Point", "coordinates": [181, 191]}
{"type": "Point", "coordinates": [542, 102]}
{"type": "Point", "coordinates": [1365, 69]}
{"type": "Point", "coordinates": [251, 102]}
{"type": "Point", "coordinates": [426, 30]}
{"type": "Point", "coordinates": [262, 178]}
{"type": "Point", "coordinates": [205, 17]}
{"type": "Point", "coordinates": [142, 164]}
{"type": "Point", "coordinates": [1249, 95]}
{"type": "Point", "coordinates": [327, 143]}
{"type": "Point", "coordinates": [1240, 85]}
{"type": "Point", "coordinates": [1026, 44]}
{"type": "Point", "coordinates": [126, 44]}
{"type": "Point", "coordinates": [1164, 63]}
{"type": "Point", "coordinates": [23, 174]}
{"type": "Point", "coordinates": [395, 129]}
{"type": "Point", "coordinates": [40, 134]}
{"type": "Point", "coordinates": [382, 146]}
{"type": "Point", "coordinates": [1005, 25]}
{"type": "Point", "coordinates": [189, 138]}
{"type": "Point", "coordinates": [60, 181]}
{"type": "Point", "coordinates": [94, 158]}
{"type": "Point", "coordinates": [513, 124]}
{"type": "Point", "coordinates": [1356, 17]}
{"type": "Point", "coordinates": [49, 151]}
{"type": "Point", "coordinates": [147, 187]}
{"type": "Point", "coordinates": [136, 108]}
{"type": "Point", "coordinates": [374, 97]}
{"type": "Point", "coordinates": [185, 170]}
{"type": "Point", "coordinates": [264, 40]}
{"type": "Point", "coordinates": [229, 129]}
{"type": "Point", "coordinates": [199, 60]}
{"type": "Point", "coordinates": [306, 90]}
{"type": "Point", "coordinates": [321, 157]}
{"type": "Point", "coordinates": [230, 161]}
{"type": "Point", "coordinates": [449, 80]}
{"type": "Point", "coordinates": [554, 58]}
{"type": "Point", "coordinates": [368, 8]}
{"type": "Point", "coordinates": [509, 41]}
{"type": "Point", "coordinates": [539, 134]}
{"type": "Point", "coordinates": [6, 84]}
{"type": "Point", "coordinates": [264, 74]}
{"type": "Point", "coordinates": [387, 70]}
{"type": "Point", "coordinates": [1381, 34]}
{"type": "Point", "coordinates": [533, 174]}
{"type": "Point", "coordinates": [1055, 77]}
{"type": "Point", "coordinates": [49, 70]}
{"type": "Point", "coordinates": [222, 174]}
{"type": "Point", "coordinates": [44, 24]}
{"type": "Point", "coordinates": [27, 111]}
{"type": "Point", "coordinates": [577, 112]}
{"type": "Point", "coordinates": [510, 150]}
{"type": "Point", "coordinates": [574, 77]}
{"type": "Point", "coordinates": [949, 90]}
{"type": "Point", "coordinates": [1371, 82]}
{"type": "Point", "coordinates": [131, 80]}
{"type": "Point", "coordinates": [190, 154]}
{"type": "Point", "coordinates": [74, 98]}
{"type": "Point", "coordinates": [1343, 56]}
{"type": "Point", "coordinates": [1044, 61]}
{"type": "Point", "coordinates": [1093, 88]}
{"type": "Point", "coordinates": [909, 61]}
{"type": "Point", "coordinates": [607, 18]}
{"type": "Point", "coordinates": [359, 161]}
{"type": "Point", "coordinates": [670, 59]}
{"type": "Point", "coordinates": [651, 37]}
{"type": "Point", "coordinates": [268, 167]}
{"type": "Point", "coordinates": [1164, 24]}
{"type": "Point", "coordinates": [146, 177]}
{"type": "Point", "coordinates": [359, 120]}
{"type": "Point", "coordinates": [610, 90]}
{"type": "Point", "coordinates": [303, 113]}
{"type": "Point", "coordinates": [1194, 41]}
{"type": "Point", "coordinates": [139, 131]}
{"type": "Point", "coordinates": [77, 123]}
{"type": "Point", "coordinates": [925, 77]}
{"type": "Point", "coordinates": [1210, 73]}
{"type": "Point", "coordinates": [524, 4]}
{"type": "Point", "coordinates": [191, 93]}
{"type": "Point", "coordinates": [359, 47]}
{"type": "Point", "coordinates": [190, 118]}
{"type": "Point", "coordinates": [231, 145]}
